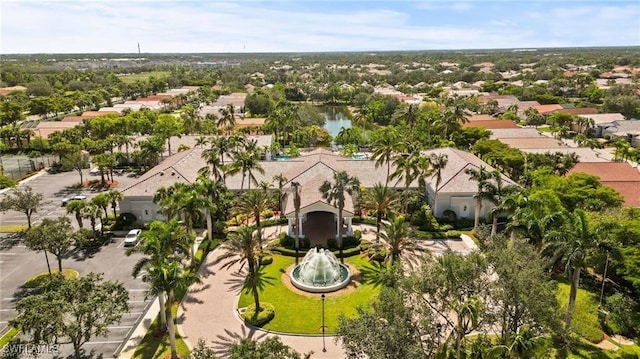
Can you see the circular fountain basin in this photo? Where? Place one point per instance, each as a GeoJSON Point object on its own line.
{"type": "Point", "coordinates": [320, 272]}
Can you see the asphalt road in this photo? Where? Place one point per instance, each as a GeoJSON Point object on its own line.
{"type": "Point", "coordinates": [17, 263]}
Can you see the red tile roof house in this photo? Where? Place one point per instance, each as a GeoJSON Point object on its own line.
{"type": "Point", "coordinates": [456, 192]}
{"type": "Point", "coordinates": [618, 175]}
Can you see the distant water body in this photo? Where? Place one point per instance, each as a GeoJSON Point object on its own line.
{"type": "Point", "coordinates": [336, 118]}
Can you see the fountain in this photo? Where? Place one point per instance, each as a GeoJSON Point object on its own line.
{"type": "Point", "coordinates": [320, 272]}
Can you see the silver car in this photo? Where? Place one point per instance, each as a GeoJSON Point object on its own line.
{"type": "Point", "coordinates": [131, 239]}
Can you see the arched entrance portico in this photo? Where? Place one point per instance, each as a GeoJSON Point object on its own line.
{"type": "Point", "coordinates": [319, 222]}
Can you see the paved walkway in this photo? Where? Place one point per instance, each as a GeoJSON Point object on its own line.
{"type": "Point", "coordinates": [209, 312]}
{"type": "Point", "coordinates": [209, 309]}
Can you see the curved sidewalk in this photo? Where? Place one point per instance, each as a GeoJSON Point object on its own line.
{"type": "Point", "coordinates": [209, 311]}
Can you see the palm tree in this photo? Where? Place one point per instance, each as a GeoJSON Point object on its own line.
{"type": "Point", "coordinates": [245, 162]}
{"type": "Point", "coordinates": [296, 205]}
{"type": "Point", "coordinates": [384, 148]}
{"type": "Point", "coordinates": [334, 193]}
{"type": "Point", "coordinates": [216, 201]}
{"type": "Point", "coordinates": [169, 278]}
{"type": "Point", "coordinates": [243, 246]}
{"type": "Point", "coordinates": [75, 207]}
{"type": "Point", "coordinates": [254, 202]}
{"type": "Point", "coordinates": [162, 243]}
{"type": "Point", "coordinates": [396, 238]}
{"type": "Point", "coordinates": [227, 118]}
{"type": "Point", "coordinates": [569, 246]}
{"type": "Point", "coordinates": [215, 164]}
{"type": "Point", "coordinates": [92, 212]}
{"type": "Point", "coordinates": [496, 192]}
{"type": "Point", "coordinates": [281, 179]}
{"type": "Point", "coordinates": [382, 200]}
{"type": "Point", "coordinates": [481, 176]}
{"type": "Point", "coordinates": [438, 163]}
{"type": "Point", "coordinates": [114, 197]}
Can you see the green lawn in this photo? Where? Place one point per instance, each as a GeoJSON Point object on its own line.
{"type": "Point", "coordinates": [586, 350]}
{"type": "Point", "coordinates": [585, 317]}
{"type": "Point", "coordinates": [297, 313]}
{"type": "Point", "coordinates": [143, 76]}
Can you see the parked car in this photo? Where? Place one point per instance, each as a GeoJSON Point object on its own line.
{"type": "Point", "coordinates": [94, 171]}
{"type": "Point", "coordinates": [65, 201]}
{"type": "Point", "coordinates": [131, 239]}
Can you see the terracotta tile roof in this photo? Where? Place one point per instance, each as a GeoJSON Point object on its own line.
{"type": "Point", "coordinates": [617, 175]}
{"type": "Point", "coordinates": [74, 118]}
{"type": "Point", "coordinates": [548, 108]}
{"type": "Point", "coordinates": [98, 113]}
{"type": "Point", "coordinates": [475, 118]}
{"type": "Point", "coordinates": [491, 124]}
{"type": "Point", "coordinates": [542, 142]}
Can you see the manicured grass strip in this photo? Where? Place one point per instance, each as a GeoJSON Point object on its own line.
{"type": "Point", "coordinates": [584, 350]}
{"type": "Point", "coordinates": [143, 76]}
{"type": "Point", "coordinates": [6, 338]}
{"type": "Point", "coordinates": [41, 278]}
{"type": "Point", "coordinates": [585, 316]}
{"type": "Point", "coordinates": [13, 228]}
{"type": "Point", "coordinates": [296, 313]}
{"type": "Point", "coordinates": [152, 347]}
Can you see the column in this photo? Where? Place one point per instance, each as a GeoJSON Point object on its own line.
{"type": "Point", "coordinates": [349, 228]}
{"type": "Point", "coordinates": [290, 232]}
{"type": "Point", "coordinates": [338, 225]}
{"type": "Point", "coordinates": [300, 226]}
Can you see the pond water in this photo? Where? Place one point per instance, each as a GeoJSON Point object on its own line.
{"type": "Point", "coordinates": [336, 118]}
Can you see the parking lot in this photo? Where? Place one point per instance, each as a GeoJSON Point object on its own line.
{"type": "Point", "coordinates": [17, 263]}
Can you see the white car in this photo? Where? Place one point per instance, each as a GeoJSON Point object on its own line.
{"type": "Point", "coordinates": [94, 171]}
{"type": "Point", "coordinates": [131, 238]}
{"type": "Point", "coordinates": [65, 201]}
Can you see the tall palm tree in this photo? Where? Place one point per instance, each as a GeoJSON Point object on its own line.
{"type": "Point", "coordinates": [481, 176]}
{"type": "Point", "coordinates": [75, 207]}
{"type": "Point", "coordinates": [384, 148]}
{"type": "Point", "coordinates": [296, 206]}
{"type": "Point", "coordinates": [92, 212]}
{"type": "Point", "coordinates": [163, 242]}
{"type": "Point", "coordinates": [438, 163]}
{"type": "Point", "coordinates": [382, 200]}
{"type": "Point", "coordinates": [169, 278]}
{"type": "Point", "coordinates": [335, 193]}
{"type": "Point", "coordinates": [246, 162]}
{"type": "Point", "coordinates": [496, 192]}
{"type": "Point", "coordinates": [217, 203]}
{"type": "Point", "coordinates": [396, 237]}
{"type": "Point", "coordinates": [254, 202]}
{"type": "Point", "coordinates": [281, 180]}
{"type": "Point", "coordinates": [215, 166]}
{"type": "Point", "coordinates": [243, 247]}
{"type": "Point", "coordinates": [114, 197]}
{"type": "Point", "coordinates": [570, 247]}
{"type": "Point", "coordinates": [227, 120]}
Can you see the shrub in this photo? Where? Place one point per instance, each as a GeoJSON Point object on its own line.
{"type": "Point", "coordinates": [623, 314]}
{"type": "Point", "coordinates": [449, 215]}
{"type": "Point", "coordinates": [452, 234]}
{"type": "Point", "coordinates": [332, 243]}
{"type": "Point", "coordinates": [261, 318]}
{"type": "Point", "coordinates": [267, 213]}
{"type": "Point", "coordinates": [266, 260]}
{"type": "Point", "coordinates": [357, 234]}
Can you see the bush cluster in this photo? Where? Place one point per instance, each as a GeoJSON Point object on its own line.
{"type": "Point", "coordinates": [266, 314]}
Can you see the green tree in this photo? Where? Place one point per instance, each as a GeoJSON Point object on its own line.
{"type": "Point", "coordinates": [76, 309]}
{"type": "Point", "coordinates": [53, 236]}
{"type": "Point", "coordinates": [163, 242]}
{"type": "Point", "coordinates": [384, 147]}
{"type": "Point", "coordinates": [570, 247]}
{"type": "Point", "coordinates": [438, 163]}
{"type": "Point", "coordinates": [269, 348]}
{"type": "Point", "coordinates": [75, 160]}
{"type": "Point", "coordinates": [114, 197]}
{"type": "Point", "coordinates": [382, 200]}
{"type": "Point", "coordinates": [397, 239]}
{"type": "Point", "coordinates": [23, 200]}
{"type": "Point", "coordinates": [254, 202]}
{"type": "Point", "coordinates": [481, 176]}
{"type": "Point", "coordinates": [244, 246]}
{"type": "Point", "coordinates": [76, 207]}
{"type": "Point", "coordinates": [334, 193]}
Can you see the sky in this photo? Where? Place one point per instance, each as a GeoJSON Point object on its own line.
{"type": "Point", "coordinates": [112, 26]}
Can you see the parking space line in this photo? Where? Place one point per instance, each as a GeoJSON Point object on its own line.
{"type": "Point", "coordinates": [137, 301]}
{"type": "Point", "coordinates": [135, 313]}
{"type": "Point", "coordinates": [7, 254]}
{"type": "Point", "coordinates": [121, 327]}
{"type": "Point", "coordinates": [138, 290]}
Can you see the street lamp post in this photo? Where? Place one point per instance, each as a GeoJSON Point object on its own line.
{"type": "Point", "coordinates": [324, 348]}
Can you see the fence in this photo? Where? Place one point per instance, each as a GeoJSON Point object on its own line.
{"type": "Point", "coordinates": [17, 167]}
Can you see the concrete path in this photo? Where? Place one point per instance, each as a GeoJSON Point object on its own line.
{"type": "Point", "coordinates": [209, 311]}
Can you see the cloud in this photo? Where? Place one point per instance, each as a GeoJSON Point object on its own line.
{"type": "Point", "coordinates": [275, 26]}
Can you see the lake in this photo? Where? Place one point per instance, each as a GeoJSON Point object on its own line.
{"type": "Point", "coordinates": [336, 118]}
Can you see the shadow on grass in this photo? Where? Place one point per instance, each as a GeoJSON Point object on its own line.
{"type": "Point", "coordinates": [376, 273]}
{"type": "Point", "coordinates": [239, 281]}
{"type": "Point", "coordinates": [152, 346]}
